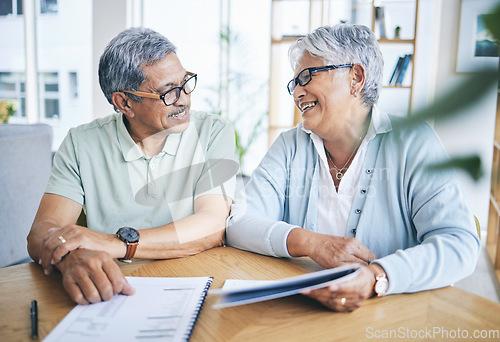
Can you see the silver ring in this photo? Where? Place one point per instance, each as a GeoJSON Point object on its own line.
{"type": "Point", "coordinates": [342, 301]}
{"type": "Point", "coordinates": [63, 240]}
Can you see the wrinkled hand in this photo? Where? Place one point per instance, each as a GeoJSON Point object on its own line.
{"type": "Point", "coordinates": [53, 249]}
{"type": "Point", "coordinates": [333, 251]}
{"type": "Point", "coordinates": [355, 292]}
{"type": "Point", "coordinates": [91, 276]}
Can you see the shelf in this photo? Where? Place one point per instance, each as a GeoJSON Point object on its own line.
{"type": "Point", "coordinates": [396, 41]}
{"type": "Point", "coordinates": [493, 237]}
{"type": "Point", "coordinates": [285, 39]}
{"type": "Point", "coordinates": [397, 87]}
{"type": "Point", "coordinates": [396, 48]}
{"type": "Point", "coordinates": [491, 251]}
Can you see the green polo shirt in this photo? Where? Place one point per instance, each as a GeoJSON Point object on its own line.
{"type": "Point", "coordinates": [99, 166]}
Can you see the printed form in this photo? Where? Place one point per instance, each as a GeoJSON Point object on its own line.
{"type": "Point", "coordinates": [162, 309]}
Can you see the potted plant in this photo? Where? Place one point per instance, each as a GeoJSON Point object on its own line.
{"type": "Point", "coordinates": [7, 109]}
{"type": "Point", "coordinates": [237, 92]}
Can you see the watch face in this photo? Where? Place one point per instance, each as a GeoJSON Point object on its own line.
{"type": "Point", "coordinates": [381, 286]}
{"type": "Point", "coordinates": [129, 234]}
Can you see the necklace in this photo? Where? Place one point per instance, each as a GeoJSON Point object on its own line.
{"type": "Point", "coordinates": [340, 172]}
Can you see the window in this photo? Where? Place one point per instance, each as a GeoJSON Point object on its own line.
{"type": "Point", "coordinates": [49, 95]}
{"type": "Point", "coordinates": [6, 7]}
{"type": "Point", "coordinates": [73, 85]}
{"type": "Point", "coordinates": [9, 7]}
{"type": "Point", "coordinates": [48, 6]}
{"type": "Point", "coordinates": [12, 88]}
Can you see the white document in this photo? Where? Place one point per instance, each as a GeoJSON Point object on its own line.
{"type": "Point", "coordinates": [162, 309]}
{"type": "Point", "coordinates": [236, 292]}
{"type": "Point", "coordinates": [237, 284]}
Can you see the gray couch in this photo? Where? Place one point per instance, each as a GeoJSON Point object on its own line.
{"type": "Point", "coordinates": [25, 164]}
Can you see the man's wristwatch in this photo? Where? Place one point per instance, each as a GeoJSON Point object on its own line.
{"type": "Point", "coordinates": [131, 238]}
{"type": "Point", "coordinates": [381, 284]}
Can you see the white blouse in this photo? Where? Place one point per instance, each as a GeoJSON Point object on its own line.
{"type": "Point", "coordinates": [334, 207]}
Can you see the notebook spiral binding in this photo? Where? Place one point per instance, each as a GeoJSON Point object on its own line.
{"type": "Point", "coordinates": [198, 309]}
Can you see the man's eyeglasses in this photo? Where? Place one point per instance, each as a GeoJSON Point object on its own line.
{"type": "Point", "coordinates": [305, 76]}
{"type": "Point", "coordinates": [171, 96]}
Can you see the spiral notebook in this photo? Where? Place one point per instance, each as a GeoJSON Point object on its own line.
{"type": "Point", "coordinates": [162, 309]}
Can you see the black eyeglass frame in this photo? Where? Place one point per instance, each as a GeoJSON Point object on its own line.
{"type": "Point", "coordinates": [162, 96]}
{"type": "Point", "coordinates": [293, 82]}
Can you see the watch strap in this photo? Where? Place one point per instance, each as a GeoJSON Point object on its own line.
{"type": "Point", "coordinates": [123, 235]}
{"type": "Point", "coordinates": [131, 249]}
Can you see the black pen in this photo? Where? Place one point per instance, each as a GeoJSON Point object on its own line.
{"type": "Point", "coordinates": [34, 319]}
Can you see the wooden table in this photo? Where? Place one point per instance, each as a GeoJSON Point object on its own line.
{"type": "Point", "coordinates": [428, 315]}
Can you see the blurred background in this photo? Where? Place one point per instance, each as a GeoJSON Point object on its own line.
{"type": "Point", "coordinates": [50, 51]}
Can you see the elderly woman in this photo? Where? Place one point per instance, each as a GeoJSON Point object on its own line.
{"type": "Point", "coordinates": [344, 187]}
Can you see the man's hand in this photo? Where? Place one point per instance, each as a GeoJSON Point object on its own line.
{"type": "Point", "coordinates": [91, 276]}
{"type": "Point", "coordinates": [328, 251]}
{"type": "Point", "coordinates": [60, 241]}
{"type": "Point", "coordinates": [349, 295]}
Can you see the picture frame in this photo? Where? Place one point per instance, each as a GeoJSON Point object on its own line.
{"type": "Point", "coordinates": [476, 49]}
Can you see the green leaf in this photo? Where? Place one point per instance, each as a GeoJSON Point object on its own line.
{"type": "Point", "coordinates": [453, 103]}
{"type": "Point", "coordinates": [470, 164]}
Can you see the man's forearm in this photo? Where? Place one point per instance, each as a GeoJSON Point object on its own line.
{"type": "Point", "coordinates": [54, 212]}
{"type": "Point", "coordinates": [187, 236]}
{"type": "Point", "coordinates": [36, 237]}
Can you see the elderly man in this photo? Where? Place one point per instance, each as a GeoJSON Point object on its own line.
{"type": "Point", "coordinates": [155, 179]}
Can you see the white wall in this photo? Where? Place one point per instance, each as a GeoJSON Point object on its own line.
{"type": "Point", "coordinates": [108, 19]}
{"type": "Point", "coordinates": [472, 132]}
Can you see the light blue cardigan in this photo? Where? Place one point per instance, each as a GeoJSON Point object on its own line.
{"type": "Point", "coordinates": [416, 221]}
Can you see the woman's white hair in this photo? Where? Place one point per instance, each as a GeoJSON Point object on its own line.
{"type": "Point", "coordinates": [344, 44]}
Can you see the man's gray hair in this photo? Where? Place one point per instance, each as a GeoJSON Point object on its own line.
{"type": "Point", "coordinates": [120, 66]}
{"type": "Point", "coordinates": [345, 44]}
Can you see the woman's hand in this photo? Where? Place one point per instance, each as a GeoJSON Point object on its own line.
{"type": "Point", "coordinates": [328, 251]}
{"type": "Point", "coordinates": [60, 241]}
{"type": "Point", "coordinates": [349, 295]}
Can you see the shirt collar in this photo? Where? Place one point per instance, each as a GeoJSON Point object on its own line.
{"type": "Point", "coordinates": [172, 143]}
{"type": "Point", "coordinates": [379, 123]}
{"type": "Point", "coordinates": [131, 151]}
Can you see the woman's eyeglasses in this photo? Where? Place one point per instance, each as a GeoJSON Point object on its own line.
{"type": "Point", "coordinates": [305, 76]}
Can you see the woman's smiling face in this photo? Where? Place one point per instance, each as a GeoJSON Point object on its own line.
{"type": "Point", "coordinates": [324, 102]}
